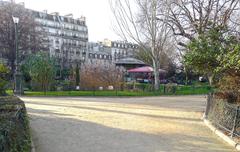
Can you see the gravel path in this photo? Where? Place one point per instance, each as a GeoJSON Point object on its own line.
{"type": "Point", "coordinates": [154, 124]}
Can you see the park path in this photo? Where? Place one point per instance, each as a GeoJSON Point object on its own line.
{"type": "Point", "coordinates": [153, 124]}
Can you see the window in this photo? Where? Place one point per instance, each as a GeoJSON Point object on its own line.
{"type": "Point", "coordinates": [57, 50]}
{"type": "Point", "coordinates": [57, 41]}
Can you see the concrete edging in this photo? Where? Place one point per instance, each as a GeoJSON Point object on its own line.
{"type": "Point", "coordinates": [222, 135]}
{"type": "Point", "coordinates": [32, 146]}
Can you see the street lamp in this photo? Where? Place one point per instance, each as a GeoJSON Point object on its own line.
{"type": "Point", "coordinates": [18, 84]}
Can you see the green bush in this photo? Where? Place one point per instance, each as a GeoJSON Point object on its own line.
{"type": "Point", "coordinates": [14, 126]}
{"type": "Point", "coordinates": [139, 86]}
{"type": "Point", "coordinates": [4, 71]}
{"type": "Point", "coordinates": [170, 88]}
{"type": "Point", "coordinates": [41, 69]}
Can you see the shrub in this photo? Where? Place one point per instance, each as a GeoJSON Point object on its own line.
{"type": "Point", "coordinates": [229, 87]}
{"type": "Point", "coordinates": [170, 88]}
{"type": "Point", "coordinates": [98, 75]}
{"type": "Point", "coordinates": [14, 126]}
{"type": "Point", "coordinates": [4, 72]}
{"type": "Point", "coordinates": [41, 68]}
{"type": "Point", "coordinates": [230, 67]}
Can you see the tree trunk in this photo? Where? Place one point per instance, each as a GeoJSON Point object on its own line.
{"type": "Point", "coordinates": [156, 76]}
{"type": "Point", "coordinates": [45, 89]}
{"type": "Point", "coordinates": [154, 49]}
{"type": "Point", "coordinates": [210, 79]}
{"type": "Point", "coordinates": [77, 75]}
{"type": "Point", "coordinates": [186, 76]}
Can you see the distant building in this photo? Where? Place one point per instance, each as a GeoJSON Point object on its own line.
{"type": "Point", "coordinates": [67, 41]}
{"type": "Point", "coordinates": [129, 63]}
{"type": "Point", "coordinates": [67, 37]}
{"type": "Point", "coordinates": [3, 60]}
{"type": "Point", "coordinates": [110, 50]}
{"type": "Point", "coordinates": [97, 53]}
{"type": "Point", "coordinates": [120, 49]}
{"type": "Point", "coordinates": [115, 52]}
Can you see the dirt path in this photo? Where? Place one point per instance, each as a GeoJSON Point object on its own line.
{"type": "Point", "coordinates": [157, 124]}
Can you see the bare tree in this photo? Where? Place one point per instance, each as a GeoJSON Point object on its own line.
{"type": "Point", "coordinates": [30, 35]}
{"type": "Point", "coordinates": [140, 21]}
{"type": "Point", "coordinates": [101, 75]}
{"type": "Point", "coordinates": [167, 59]}
{"type": "Point", "coordinates": [190, 18]}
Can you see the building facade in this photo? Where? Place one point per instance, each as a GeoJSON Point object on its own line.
{"type": "Point", "coordinates": [67, 37]}
{"type": "Point", "coordinates": [97, 53]}
{"type": "Point", "coordinates": [67, 40]}
{"type": "Point", "coordinates": [120, 49]}
{"type": "Point", "coordinates": [110, 51]}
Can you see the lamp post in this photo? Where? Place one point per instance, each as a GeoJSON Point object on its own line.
{"type": "Point", "coordinates": [18, 84]}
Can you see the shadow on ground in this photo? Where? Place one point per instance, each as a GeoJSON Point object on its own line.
{"type": "Point", "coordinates": [154, 124]}
{"type": "Point", "coordinates": [72, 135]}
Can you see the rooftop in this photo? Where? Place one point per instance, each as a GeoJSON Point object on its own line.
{"type": "Point", "coordinates": [130, 61]}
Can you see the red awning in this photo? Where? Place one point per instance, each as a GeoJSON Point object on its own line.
{"type": "Point", "coordinates": [146, 69]}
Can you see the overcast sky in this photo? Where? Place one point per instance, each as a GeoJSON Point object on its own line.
{"type": "Point", "coordinates": [97, 12]}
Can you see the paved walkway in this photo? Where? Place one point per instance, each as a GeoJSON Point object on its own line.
{"type": "Point", "coordinates": [156, 124]}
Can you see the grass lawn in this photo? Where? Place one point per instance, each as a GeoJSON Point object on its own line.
{"type": "Point", "coordinates": [181, 90]}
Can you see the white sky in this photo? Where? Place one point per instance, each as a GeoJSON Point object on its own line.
{"type": "Point", "coordinates": [97, 12]}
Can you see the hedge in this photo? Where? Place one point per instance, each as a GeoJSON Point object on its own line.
{"type": "Point", "coordinates": [14, 126]}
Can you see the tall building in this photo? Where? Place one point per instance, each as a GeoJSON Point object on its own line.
{"type": "Point", "coordinates": [123, 53]}
{"type": "Point", "coordinates": [120, 49]}
{"type": "Point", "coordinates": [67, 40]}
{"type": "Point", "coordinates": [2, 60]}
{"type": "Point", "coordinates": [97, 53]}
{"type": "Point", "coordinates": [109, 51]}
{"type": "Point", "coordinates": [67, 37]}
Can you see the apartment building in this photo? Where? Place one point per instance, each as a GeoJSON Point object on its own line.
{"type": "Point", "coordinates": [120, 49]}
{"type": "Point", "coordinates": [67, 37]}
{"type": "Point", "coordinates": [110, 51]}
{"type": "Point", "coordinates": [67, 41]}
{"type": "Point", "coordinates": [97, 53]}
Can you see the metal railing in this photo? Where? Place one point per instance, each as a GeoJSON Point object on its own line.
{"type": "Point", "coordinates": [224, 115]}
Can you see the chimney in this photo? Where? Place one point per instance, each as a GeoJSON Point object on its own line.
{"type": "Point", "coordinates": [22, 4]}
{"type": "Point", "coordinates": [55, 13]}
{"type": "Point", "coordinates": [45, 11]}
{"type": "Point", "coordinates": [82, 18]}
{"type": "Point", "coordinates": [69, 15]}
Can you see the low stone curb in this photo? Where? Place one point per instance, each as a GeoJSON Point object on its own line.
{"type": "Point", "coordinates": [222, 135]}
{"type": "Point", "coordinates": [32, 146]}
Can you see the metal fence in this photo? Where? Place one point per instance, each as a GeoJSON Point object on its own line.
{"type": "Point", "coordinates": [224, 115]}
